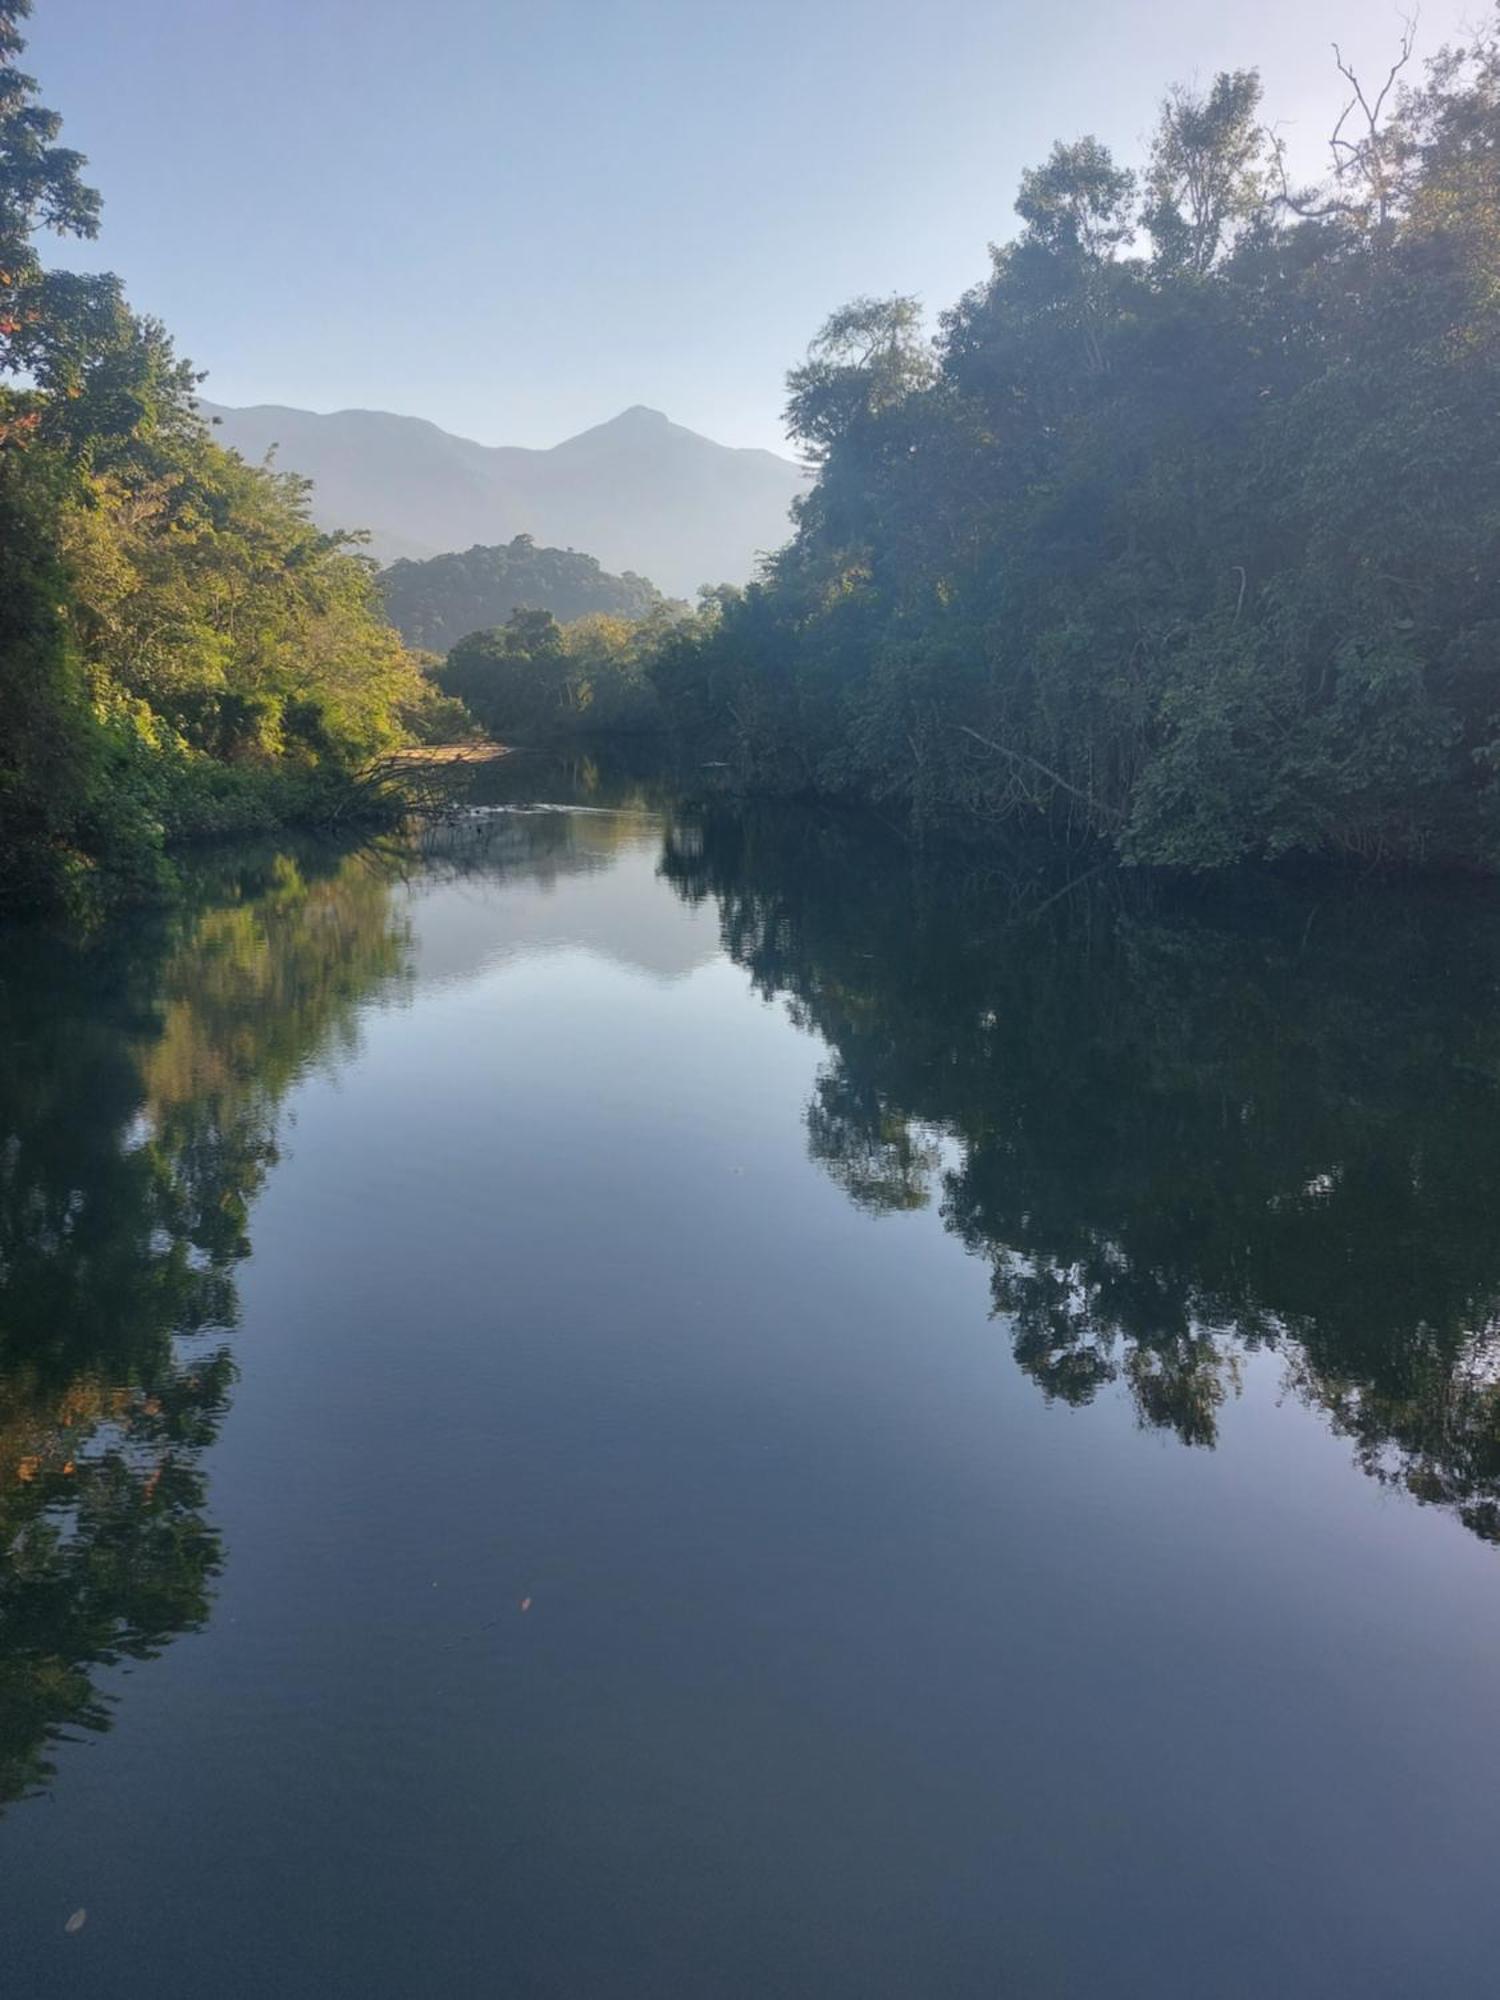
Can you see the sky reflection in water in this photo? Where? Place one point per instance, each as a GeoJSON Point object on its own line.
{"type": "Point", "coordinates": [572, 1213]}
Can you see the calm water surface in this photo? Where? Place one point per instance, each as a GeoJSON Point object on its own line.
{"type": "Point", "coordinates": [641, 1401]}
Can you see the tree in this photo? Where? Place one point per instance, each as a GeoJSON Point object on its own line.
{"type": "Point", "coordinates": [867, 358]}
{"type": "Point", "coordinates": [1079, 204]}
{"type": "Point", "coordinates": [1207, 178]}
{"type": "Point", "coordinates": [533, 679]}
{"type": "Point", "coordinates": [41, 187]}
{"type": "Point", "coordinates": [512, 678]}
{"type": "Point", "coordinates": [181, 651]}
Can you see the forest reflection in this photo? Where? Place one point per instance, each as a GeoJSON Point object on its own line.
{"type": "Point", "coordinates": [1178, 1128]}
{"type": "Point", "coordinates": [138, 1122]}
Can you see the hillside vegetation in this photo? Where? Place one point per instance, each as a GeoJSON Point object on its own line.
{"type": "Point", "coordinates": [436, 603]}
{"type": "Point", "coordinates": [1182, 533]}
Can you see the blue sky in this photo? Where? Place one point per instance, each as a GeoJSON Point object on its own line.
{"type": "Point", "coordinates": [518, 219]}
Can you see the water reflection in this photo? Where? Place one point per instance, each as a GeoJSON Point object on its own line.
{"type": "Point", "coordinates": [555, 854]}
{"type": "Point", "coordinates": [1176, 1128]}
{"type": "Point", "coordinates": [138, 1121]}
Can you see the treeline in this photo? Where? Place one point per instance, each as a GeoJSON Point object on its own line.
{"type": "Point", "coordinates": [533, 680]}
{"type": "Point", "coordinates": [181, 650]}
{"type": "Point", "coordinates": [434, 604]}
{"type": "Point", "coordinates": [1181, 535]}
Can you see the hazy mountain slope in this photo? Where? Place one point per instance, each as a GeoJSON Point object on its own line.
{"type": "Point", "coordinates": [639, 492]}
{"type": "Point", "coordinates": [440, 601]}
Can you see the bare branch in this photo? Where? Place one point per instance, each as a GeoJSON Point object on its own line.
{"type": "Point", "coordinates": [1370, 162]}
{"type": "Point", "coordinates": [1019, 756]}
{"type": "Point", "coordinates": [1302, 204]}
{"type": "Point", "coordinates": [1408, 43]}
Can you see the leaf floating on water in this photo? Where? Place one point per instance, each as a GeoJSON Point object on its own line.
{"type": "Point", "coordinates": [525, 1603]}
{"type": "Point", "coordinates": [76, 1922]}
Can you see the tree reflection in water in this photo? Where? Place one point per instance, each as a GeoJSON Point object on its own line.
{"type": "Point", "coordinates": [138, 1117]}
{"type": "Point", "coordinates": [1177, 1127]}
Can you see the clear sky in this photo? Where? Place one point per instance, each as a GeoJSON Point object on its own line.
{"type": "Point", "coordinates": [516, 219]}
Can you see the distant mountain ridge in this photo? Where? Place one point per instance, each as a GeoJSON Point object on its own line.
{"type": "Point", "coordinates": [639, 492]}
{"type": "Point", "coordinates": [437, 602]}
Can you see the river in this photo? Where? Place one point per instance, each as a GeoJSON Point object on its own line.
{"type": "Point", "coordinates": [633, 1397]}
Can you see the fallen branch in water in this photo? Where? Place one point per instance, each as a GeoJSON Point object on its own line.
{"type": "Point", "coordinates": [404, 784]}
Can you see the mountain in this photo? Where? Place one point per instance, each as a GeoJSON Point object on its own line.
{"type": "Point", "coordinates": [640, 493]}
{"type": "Point", "coordinates": [440, 601]}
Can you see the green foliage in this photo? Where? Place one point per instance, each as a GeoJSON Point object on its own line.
{"type": "Point", "coordinates": [436, 603]}
{"type": "Point", "coordinates": [1207, 175]}
{"type": "Point", "coordinates": [181, 651]}
{"type": "Point", "coordinates": [868, 358]}
{"type": "Point", "coordinates": [431, 717]}
{"type": "Point", "coordinates": [532, 680]}
{"type": "Point", "coordinates": [41, 187]}
{"type": "Point", "coordinates": [48, 747]}
{"type": "Point", "coordinates": [1180, 535]}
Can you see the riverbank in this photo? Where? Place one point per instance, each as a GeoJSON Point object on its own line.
{"type": "Point", "coordinates": [158, 815]}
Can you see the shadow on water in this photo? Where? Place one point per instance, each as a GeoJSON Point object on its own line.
{"type": "Point", "coordinates": [138, 1121]}
{"type": "Point", "coordinates": [1177, 1126]}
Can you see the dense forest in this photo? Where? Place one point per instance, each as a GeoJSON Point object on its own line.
{"type": "Point", "coordinates": [435, 603]}
{"type": "Point", "coordinates": [1178, 537]}
{"type": "Point", "coordinates": [181, 650]}
{"type": "Point", "coordinates": [533, 680]}
{"type": "Point", "coordinates": [1182, 533]}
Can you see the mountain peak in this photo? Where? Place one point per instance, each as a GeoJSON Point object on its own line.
{"type": "Point", "coordinates": [638, 429]}
{"type": "Point", "coordinates": [639, 421]}
{"type": "Point", "coordinates": [638, 492]}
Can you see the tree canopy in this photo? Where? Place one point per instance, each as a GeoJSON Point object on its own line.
{"type": "Point", "coordinates": [1180, 533]}
{"type": "Point", "coordinates": [181, 650]}
{"type": "Point", "coordinates": [435, 603]}
{"type": "Point", "coordinates": [532, 679]}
